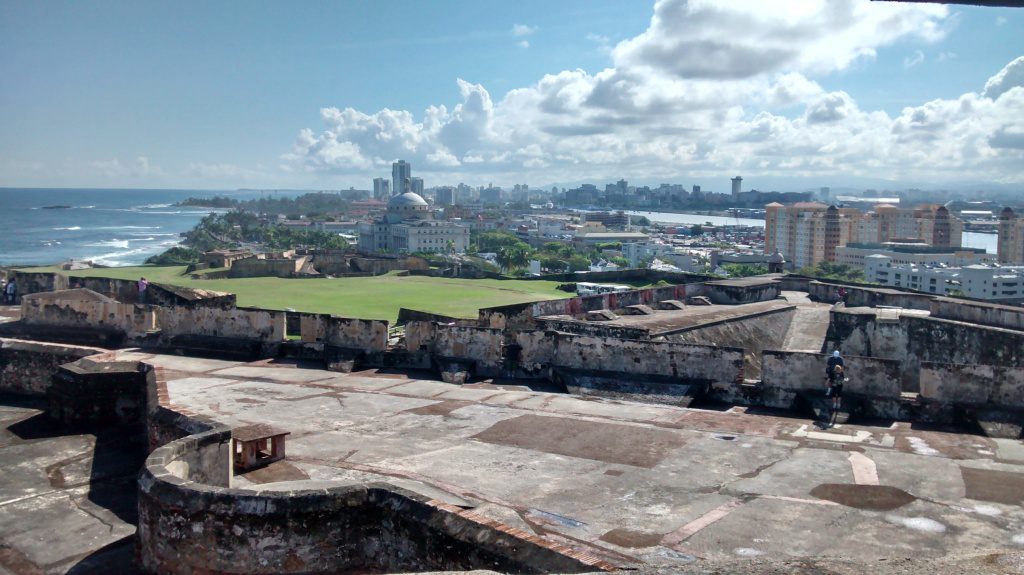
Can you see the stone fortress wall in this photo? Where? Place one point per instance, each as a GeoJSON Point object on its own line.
{"type": "Point", "coordinates": [903, 344]}
{"type": "Point", "coordinates": [939, 367]}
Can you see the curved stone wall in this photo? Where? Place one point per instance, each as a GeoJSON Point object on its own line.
{"type": "Point", "coordinates": [191, 521]}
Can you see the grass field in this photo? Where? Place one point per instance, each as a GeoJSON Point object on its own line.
{"type": "Point", "coordinates": [377, 297]}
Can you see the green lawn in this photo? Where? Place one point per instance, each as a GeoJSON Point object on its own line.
{"type": "Point", "coordinates": [377, 297]}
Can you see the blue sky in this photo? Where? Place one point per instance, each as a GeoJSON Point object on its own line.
{"type": "Point", "coordinates": [215, 95]}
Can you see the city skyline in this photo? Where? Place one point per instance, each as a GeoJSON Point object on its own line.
{"type": "Point", "coordinates": [812, 94]}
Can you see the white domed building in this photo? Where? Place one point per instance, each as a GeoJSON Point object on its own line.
{"type": "Point", "coordinates": [409, 226]}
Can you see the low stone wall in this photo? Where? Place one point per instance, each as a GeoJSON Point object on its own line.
{"type": "Point", "coordinates": [190, 521]}
{"type": "Point", "coordinates": [257, 267]}
{"type": "Point", "coordinates": [741, 291]}
{"type": "Point", "coordinates": [912, 339]}
{"type": "Point", "coordinates": [990, 314]}
{"type": "Point", "coordinates": [785, 374]}
{"type": "Point", "coordinates": [121, 290]}
{"type": "Point", "coordinates": [688, 362]}
{"type": "Point", "coordinates": [36, 282]}
{"type": "Point", "coordinates": [235, 323]}
{"type": "Point", "coordinates": [868, 297]}
{"type": "Point", "coordinates": [974, 385]}
{"type": "Point", "coordinates": [27, 367]}
{"type": "Point", "coordinates": [479, 346]}
{"type": "Point", "coordinates": [626, 275]}
{"type": "Point", "coordinates": [406, 315]}
{"type": "Point", "coordinates": [369, 335]}
{"type": "Point", "coordinates": [131, 320]}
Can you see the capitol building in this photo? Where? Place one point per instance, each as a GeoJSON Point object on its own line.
{"type": "Point", "coordinates": [409, 226]}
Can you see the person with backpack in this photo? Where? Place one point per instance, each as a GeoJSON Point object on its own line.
{"type": "Point", "coordinates": [835, 373]}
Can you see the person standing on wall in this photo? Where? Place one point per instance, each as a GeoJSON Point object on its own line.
{"type": "Point", "coordinates": [143, 284]}
{"type": "Point", "coordinates": [10, 292]}
{"type": "Point", "coordinates": [835, 374]}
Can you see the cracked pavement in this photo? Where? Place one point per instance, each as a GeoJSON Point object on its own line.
{"type": "Point", "coordinates": [643, 486]}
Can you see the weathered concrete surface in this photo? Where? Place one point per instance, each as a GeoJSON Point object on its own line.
{"type": "Point", "coordinates": [809, 328]}
{"type": "Point", "coordinates": [708, 489]}
{"type": "Point", "coordinates": [752, 333]}
{"type": "Point", "coordinates": [66, 503]}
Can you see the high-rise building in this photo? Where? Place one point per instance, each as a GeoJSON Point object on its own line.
{"type": "Point", "coordinates": [416, 186]}
{"type": "Point", "coordinates": [1010, 249]}
{"type": "Point", "coordinates": [381, 189]}
{"type": "Point", "coordinates": [445, 196]}
{"type": "Point", "coordinates": [808, 233]}
{"type": "Point", "coordinates": [401, 172]}
{"type": "Point", "coordinates": [737, 183]}
{"type": "Point", "coordinates": [931, 223]}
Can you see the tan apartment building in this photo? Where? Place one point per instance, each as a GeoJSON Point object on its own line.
{"type": "Point", "coordinates": [1010, 249]}
{"type": "Point", "coordinates": [808, 233]}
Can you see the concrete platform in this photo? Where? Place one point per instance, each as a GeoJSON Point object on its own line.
{"type": "Point", "coordinates": [665, 322]}
{"type": "Point", "coordinates": [644, 486]}
{"type": "Point", "coordinates": [67, 499]}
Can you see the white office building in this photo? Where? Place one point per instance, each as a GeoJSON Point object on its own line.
{"type": "Point", "coordinates": [988, 282]}
{"type": "Point", "coordinates": [854, 254]}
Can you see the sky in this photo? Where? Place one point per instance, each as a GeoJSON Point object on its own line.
{"type": "Point", "coordinates": [325, 95]}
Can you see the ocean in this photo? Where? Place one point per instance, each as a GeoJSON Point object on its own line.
{"type": "Point", "coordinates": [110, 227]}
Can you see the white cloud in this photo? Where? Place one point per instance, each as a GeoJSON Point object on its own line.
{"type": "Point", "coordinates": [523, 30]}
{"type": "Point", "coordinates": [1009, 77]}
{"type": "Point", "coordinates": [744, 38]}
{"type": "Point", "coordinates": [1001, 20]}
{"type": "Point", "coordinates": [524, 44]}
{"type": "Point", "coordinates": [945, 56]}
{"type": "Point", "coordinates": [677, 100]}
{"type": "Point", "coordinates": [114, 169]}
{"type": "Point", "coordinates": [913, 60]}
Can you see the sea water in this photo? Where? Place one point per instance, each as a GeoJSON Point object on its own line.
{"type": "Point", "coordinates": [109, 227]}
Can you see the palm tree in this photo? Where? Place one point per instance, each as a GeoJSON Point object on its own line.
{"type": "Point", "coordinates": [512, 257]}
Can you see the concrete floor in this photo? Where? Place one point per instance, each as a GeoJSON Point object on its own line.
{"type": "Point", "coordinates": [655, 487]}
{"type": "Point", "coordinates": [67, 498]}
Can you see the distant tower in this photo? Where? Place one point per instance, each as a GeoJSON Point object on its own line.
{"type": "Point", "coordinates": [401, 171]}
{"type": "Point", "coordinates": [736, 184]}
{"type": "Point", "coordinates": [381, 189]}
{"type": "Point", "coordinates": [416, 186]}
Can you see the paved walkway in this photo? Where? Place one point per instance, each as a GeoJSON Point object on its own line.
{"type": "Point", "coordinates": [809, 328]}
{"type": "Point", "coordinates": [637, 484]}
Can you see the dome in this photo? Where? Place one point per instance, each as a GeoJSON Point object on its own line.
{"type": "Point", "coordinates": [406, 199]}
{"type": "Point", "coordinates": [776, 258]}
